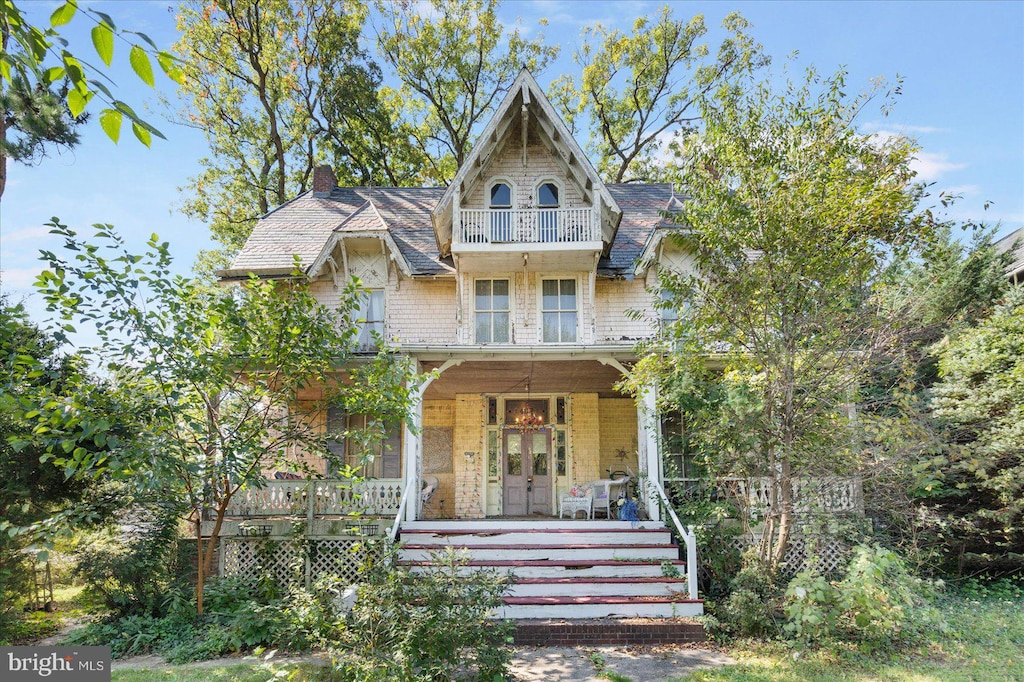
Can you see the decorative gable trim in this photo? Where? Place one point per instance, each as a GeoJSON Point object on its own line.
{"type": "Point", "coordinates": [534, 109]}
{"type": "Point", "coordinates": [364, 223]}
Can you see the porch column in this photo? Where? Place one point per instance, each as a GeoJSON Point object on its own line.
{"type": "Point", "coordinates": [413, 443]}
{"type": "Point", "coordinates": [648, 453]}
{"type": "Point", "coordinates": [413, 439]}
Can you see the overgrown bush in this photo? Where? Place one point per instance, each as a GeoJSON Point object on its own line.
{"type": "Point", "coordinates": [240, 615]}
{"type": "Point", "coordinates": [426, 626]}
{"type": "Point", "coordinates": [878, 602]}
{"type": "Point", "coordinates": [752, 607]}
{"type": "Point", "coordinates": [132, 573]}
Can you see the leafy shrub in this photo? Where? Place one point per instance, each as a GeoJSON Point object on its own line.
{"type": "Point", "coordinates": [877, 592]}
{"type": "Point", "coordinates": [132, 575]}
{"type": "Point", "coordinates": [751, 608]}
{"type": "Point", "coordinates": [427, 626]}
{"type": "Point", "coordinates": [239, 615]}
{"type": "Point", "coordinates": [811, 606]}
{"type": "Point", "coordinates": [878, 602]}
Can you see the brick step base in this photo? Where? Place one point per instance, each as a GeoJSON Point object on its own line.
{"type": "Point", "coordinates": [605, 632]}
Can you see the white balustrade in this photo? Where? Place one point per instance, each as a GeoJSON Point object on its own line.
{"type": "Point", "coordinates": [376, 497]}
{"type": "Point", "coordinates": [827, 494]}
{"type": "Point", "coordinates": [527, 226]}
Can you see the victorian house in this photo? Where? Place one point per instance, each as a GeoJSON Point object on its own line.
{"type": "Point", "coordinates": [524, 286]}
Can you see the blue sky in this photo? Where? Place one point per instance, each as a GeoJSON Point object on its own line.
{"type": "Point", "coordinates": [962, 65]}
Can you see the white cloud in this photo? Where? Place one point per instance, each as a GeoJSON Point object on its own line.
{"type": "Point", "coordinates": [19, 278]}
{"type": "Point", "coordinates": [930, 166]}
{"type": "Point", "coordinates": [964, 190]}
{"type": "Point", "coordinates": [37, 232]}
{"type": "Point", "coordinates": [903, 129]}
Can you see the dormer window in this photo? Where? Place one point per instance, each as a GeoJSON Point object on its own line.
{"type": "Point", "coordinates": [547, 217]}
{"type": "Point", "coordinates": [501, 212]}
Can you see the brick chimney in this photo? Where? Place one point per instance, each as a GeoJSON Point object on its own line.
{"type": "Point", "coordinates": [323, 181]}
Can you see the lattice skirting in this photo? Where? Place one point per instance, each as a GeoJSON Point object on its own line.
{"type": "Point", "coordinates": [831, 553]}
{"type": "Point", "coordinates": [292, 560]}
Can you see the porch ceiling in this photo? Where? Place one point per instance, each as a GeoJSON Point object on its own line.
{"type": "Point", "coordinates": [507, 376]}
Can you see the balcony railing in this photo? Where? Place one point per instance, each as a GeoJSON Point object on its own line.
{"type": "Point", "coordinates": [527, 226]}
{"type": "Point", "coordinates": [823, 495]}
{"type": "Point", "coordinates": [324, 497]}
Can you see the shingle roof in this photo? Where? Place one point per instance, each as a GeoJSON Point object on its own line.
{"type": "Point", "coordinates": [1016, 237]}
{"type": "Point", "coordinates": [303, 225]}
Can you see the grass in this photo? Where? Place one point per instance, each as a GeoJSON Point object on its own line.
{"type": "Point", "coordinates": [985, 642]}
{"type": "Point", "coordinates": [35, 625]}
{"type": "Point", "coordinates": [230, 673]}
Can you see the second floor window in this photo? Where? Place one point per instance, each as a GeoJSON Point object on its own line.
{"type": "Point", "coordinates": [492, 311]}
{"type": "Point", "coordinates": [501, 212]}
{"type": "Point", "coordinates": [370, 318]}
{"type": "Point", "coordinates": [547, 217]}
{"type": "Point", "coordinates": [558, 310]}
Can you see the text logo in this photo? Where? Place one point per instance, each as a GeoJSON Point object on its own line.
{"type": "Point", "coordinates": [55, 663]}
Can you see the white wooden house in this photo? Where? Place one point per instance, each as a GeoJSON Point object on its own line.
{"type": "Point", "coordinates": [525, 286]}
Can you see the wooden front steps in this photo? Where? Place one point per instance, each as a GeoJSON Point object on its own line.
{"type": "Point", "coordinates": [566, 569]}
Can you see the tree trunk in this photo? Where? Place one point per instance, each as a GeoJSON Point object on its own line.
{"type": "Point", "coordinates": [785, 515]}
{"type": "Point", "coordinates": [199, 564]}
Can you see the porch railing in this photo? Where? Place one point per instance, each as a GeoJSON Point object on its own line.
{"type": "Point", "coordinates": [825, 494]}
{"type": "Point", "coordinates": [527, 226]}
{"type": "Point", "coordinates": [322, 497]}
{"type": "Point", "coordinates": [687, 534]}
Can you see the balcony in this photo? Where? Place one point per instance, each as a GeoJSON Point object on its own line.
{"type": "Point", "coordinates": [537, 239]}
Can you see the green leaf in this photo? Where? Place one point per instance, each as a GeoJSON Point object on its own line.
{"type": "Point", "coordinates": [110, 121]}
{"type": "Point", "coordinates": [77, 102]}
{"type": "Point", "coordinates": [140, 63]}
{"type": "Point", "coordinates": [103, 41]}
{"type": "Point", "coordinates": [142, 134]}
{"type": "Point", "coordinates": [53, 74]}
{"type": "Point", "coordinates": [63, 14]}
{"type": "Point", "coordinates": [169, 63]}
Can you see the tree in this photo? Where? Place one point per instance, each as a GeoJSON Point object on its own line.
{"type": "Point", "coordinates": [218, 380]}
{"type": "Point", "coordinates": [39, 77]}
{"type": "Point", "coordinates": [32, 119]}
{"type": "Point", "coordinates": [791, 217]}
{"type": "Point", "coordinates": [278, 87]}
{"type": "Point", "coordinates": [455, 62]}
{"type": "Point", "coordinates": [639, 90]}
{"type": "Point", "coordinates": [979, 400]}
{"type": "Point", "coordinates": [34, 492]}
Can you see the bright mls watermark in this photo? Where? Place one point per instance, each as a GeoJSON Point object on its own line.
{"type": "Point", "coordinates": [56, 663]}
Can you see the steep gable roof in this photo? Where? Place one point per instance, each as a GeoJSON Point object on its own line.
{"type": "Point", "coordinates": [303, 226]}
{"type": "Point", "coordinates": [526, 102]}
{"type": "Point", "coordinates": [308, 226]}
{"type": "Point", "coordinates": [365, 222]}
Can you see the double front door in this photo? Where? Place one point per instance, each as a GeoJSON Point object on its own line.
{"type": "Point", "coordinates": [526, 468]}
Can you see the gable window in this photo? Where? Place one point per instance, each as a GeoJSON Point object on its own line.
{"type": "Point", "coordinates": [492, 311]}
{"type": "Point", "coordinates": [669, 313]}
{"type": "Point", "coordinates": [547, 216]}
{"type": "Point", "coordinates": [558, 310]}
{"type": "Point", "coordinates": [349, 438]}
{"type": "Point", "coordinates": [370, 318]}
{"type": "Point", "coordinates": [501, 212]}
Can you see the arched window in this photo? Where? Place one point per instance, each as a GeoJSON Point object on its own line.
{"type": "Point", "coordinates": [547, 218]}
{"type": "Point", "coordinates": [501, 211]}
